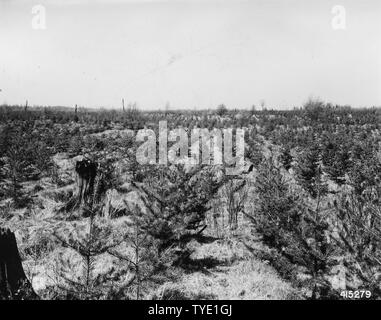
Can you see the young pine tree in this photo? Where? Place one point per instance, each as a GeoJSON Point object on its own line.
{"type": "Point", "coordinates": [288, 224]}
{"type": "Point", "coordinates": [141, 260]}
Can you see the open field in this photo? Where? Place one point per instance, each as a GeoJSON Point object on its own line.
{"type": "Point", "coordinates": [301, 219]}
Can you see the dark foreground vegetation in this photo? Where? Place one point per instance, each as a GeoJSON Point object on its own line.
{"type": "Point", "coordinates": [311, 208]}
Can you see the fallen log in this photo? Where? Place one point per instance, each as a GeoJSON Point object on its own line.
{"type": "Point", "coordinates": [13, 281]}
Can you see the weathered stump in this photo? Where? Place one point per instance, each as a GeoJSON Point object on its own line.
{"type": "Point", "coordinates": [13, 281]}
{"type": "Point", "coordinates": [86, 172]}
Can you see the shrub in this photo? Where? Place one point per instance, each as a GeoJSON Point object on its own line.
{"type": "Point", "coordinates": [287, 224]}
{"type": "Point", "coordinates": [358, 224]}
{"type": "Point", "coordinates": [177, 201]}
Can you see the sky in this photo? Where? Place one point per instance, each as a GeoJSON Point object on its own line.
{"type": "Point", "coordinates": [187, 54]}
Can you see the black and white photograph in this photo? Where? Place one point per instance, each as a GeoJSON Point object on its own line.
{"type": "Point", "coordinates": [166, 151]}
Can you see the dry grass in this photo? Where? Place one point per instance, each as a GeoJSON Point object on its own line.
{"type": "Point", "coordinates": [220, 269]}
{"type": "Point", "coordinates": [230, 273]}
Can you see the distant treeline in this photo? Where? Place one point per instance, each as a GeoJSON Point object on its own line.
{"type": "Point", "coordinates": [312, 112]}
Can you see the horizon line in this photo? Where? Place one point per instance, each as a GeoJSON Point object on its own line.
{"type": "Point", "coordinates": [257, 109]}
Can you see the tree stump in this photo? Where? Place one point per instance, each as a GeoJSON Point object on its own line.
{"type": "Point", "coordinates": [86, 172]}
{"type": "Point", "coordinates": [13, 281]}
